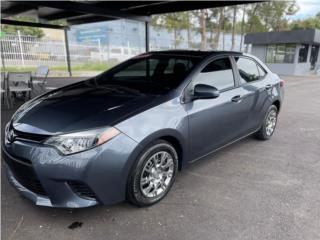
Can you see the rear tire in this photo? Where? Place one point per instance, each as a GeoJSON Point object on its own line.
{"type": "Point", "coordinates": [153, 175]}
{"type": "Point", "coordinates": [269, 124]}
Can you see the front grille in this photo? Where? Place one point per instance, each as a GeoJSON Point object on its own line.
{"type": "Point", "coordinates": [25, 175]}
{"type": "Point", "coordinates": [30, 136]}
{"type": "Point", "coordinates": [82, 190]}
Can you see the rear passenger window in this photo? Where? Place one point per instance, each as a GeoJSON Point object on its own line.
{"type": "Point", "coordinates": [248, 70]}
{"type": "Point", "coordinates": [218, 74]}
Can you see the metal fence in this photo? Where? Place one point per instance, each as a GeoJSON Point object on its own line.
{"type": "Point", "coordinates": [26, 51]}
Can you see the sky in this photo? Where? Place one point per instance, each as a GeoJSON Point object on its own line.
{"type": "Point", "coordinates": [308, 8]}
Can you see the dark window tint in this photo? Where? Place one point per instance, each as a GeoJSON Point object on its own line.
{"type": "Point", "coordinates": [248, 70]}
{"type": "Point", "coordinates": [153, 68]}
{"type": "Point", "coordinates": [176, 64]}
{"type": "Point", "coordinates": [303, 53]}
{"type": "Point", "coordinates": [152, 73]}
{"type": "Point", "coordinates": [218, 74]}
{"type": "Point", "coordinates": [138, 69]}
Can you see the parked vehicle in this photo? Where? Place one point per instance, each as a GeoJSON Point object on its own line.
{"type": "Point", "coordinates": [125, 133]}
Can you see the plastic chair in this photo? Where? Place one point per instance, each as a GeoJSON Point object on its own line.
{"type": "Point", "coordinates": [19, 82]}
{"type": "Point", "coordinates": [40, 79]}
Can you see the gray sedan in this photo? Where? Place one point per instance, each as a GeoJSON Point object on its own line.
{"type": "Point", "coordinates": [124, 134]}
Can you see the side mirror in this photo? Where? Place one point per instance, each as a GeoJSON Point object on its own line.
{"type": "Point", "coordinates": [203, 91]}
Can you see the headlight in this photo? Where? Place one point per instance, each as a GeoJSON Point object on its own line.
{"type": "Point", "coordinates": [81, 141]}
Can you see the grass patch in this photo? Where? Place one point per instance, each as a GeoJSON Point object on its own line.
{"type": "Point", "coordinates": [89, 66]}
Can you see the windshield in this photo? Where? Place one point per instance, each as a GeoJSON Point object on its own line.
{"type": "Point", "coordinates": [151, 73]}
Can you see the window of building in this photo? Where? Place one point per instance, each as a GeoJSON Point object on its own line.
{"type": "Point", "coordinates": [280, 53]}
{"type": "Point", "coordinates": [218, 74]}
{"type": "Point", "coordinates": [248, 70]}
{"type": "Point", "coordinates": [303, 53]}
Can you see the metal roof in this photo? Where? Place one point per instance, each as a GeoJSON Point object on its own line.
{"type": "Point", "coordinates": [79, 12]}
{"type": "Point", "coordinates": [296, 36]}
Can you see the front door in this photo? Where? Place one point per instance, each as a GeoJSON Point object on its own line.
{"type": "Point", "coordinates": [215, 122]}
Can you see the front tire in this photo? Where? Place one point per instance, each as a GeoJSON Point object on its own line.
{"type": "Point", "coordinates": [153, 175]}
{"type": "Point", "coordinates": [269, 124]}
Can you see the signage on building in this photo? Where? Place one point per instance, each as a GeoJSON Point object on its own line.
{"type": "Point", "coordinates": [92, 35]}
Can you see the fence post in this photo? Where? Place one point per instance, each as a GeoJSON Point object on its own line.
{"type": "Point", "coordinates": [147, 33]}
{"type": "Point", "coordinates": [67, 52]}
{"type": "Point", "coordinates": [108, 47]}
{"type": "Point", "coordinates": [2, 57]}
{"type": "Point", "coordinates": [100, 51]}
{"type": "Point", "coordinates": [21, 50]}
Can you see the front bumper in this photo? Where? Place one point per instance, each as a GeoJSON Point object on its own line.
{"type": "Point", "coordinates": [96, 176]}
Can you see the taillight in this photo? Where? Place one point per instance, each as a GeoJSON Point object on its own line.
{"type": "Point", "coordinates": [281, 82]}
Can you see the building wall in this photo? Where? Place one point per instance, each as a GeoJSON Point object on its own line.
{"type": "Point", "coordinates": [121, 33]}
{"type": "Point", "coordinates": [259, 51]}
{"type": "Point", "coordinates": [282, 68]}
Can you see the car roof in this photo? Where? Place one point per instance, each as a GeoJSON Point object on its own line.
{"type": "Point", "coordinates": [194, 53]}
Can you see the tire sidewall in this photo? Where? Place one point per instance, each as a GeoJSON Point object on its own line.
{"type": "Point", "coordinates": [133, 188]}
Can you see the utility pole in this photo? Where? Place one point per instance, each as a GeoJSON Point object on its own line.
{"type": "Point", "coordinates": [21, 49]}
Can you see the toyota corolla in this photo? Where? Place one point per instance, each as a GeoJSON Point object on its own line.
{"type": "Point", "coordinates": [124, 134]}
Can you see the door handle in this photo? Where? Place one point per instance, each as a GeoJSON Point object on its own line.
{"type": "Point", "coordinates": [236, 99]}
{"type": "Point", "coordinates": [268, 87]}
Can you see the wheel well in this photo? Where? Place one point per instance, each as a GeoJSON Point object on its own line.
{"type": "Point", "coordinates": [176, 144]}
{"type": "Point", "coordinates": [277, 104]}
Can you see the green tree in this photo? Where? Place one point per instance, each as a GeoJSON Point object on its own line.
{"type": "Point", "coordinates": [201, 17]}
{"type": "Point", "coordinates": [173, 22]}
{"type": "Point", "coordinates": [203, 28]}
{"type": "Point", "coordinates": [29, 31]}
{"type": "Point", "coordinates": [311, 22]}
{"type": "Point", "coordinates": [242, 25]}
{"type": "Point", "coordinates": [234, 18]}
{"type": "Point", "coordinates": [270, 16]}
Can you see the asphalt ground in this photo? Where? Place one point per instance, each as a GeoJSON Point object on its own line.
{"type": "Point", "coordinates": [249, 190]}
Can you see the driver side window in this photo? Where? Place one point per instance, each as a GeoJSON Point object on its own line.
{"type": "Point", "coordinates": [218, 74]}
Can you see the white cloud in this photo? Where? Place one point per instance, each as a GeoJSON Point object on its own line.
{"type": "Point", "coordinates": [307, 8]}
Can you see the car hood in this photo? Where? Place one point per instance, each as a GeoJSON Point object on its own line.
{"type": "Point", "coordinates": [78, 107]}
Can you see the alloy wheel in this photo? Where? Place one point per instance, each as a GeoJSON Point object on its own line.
{"type": "Point", "coordinates": [271, 122]}
{"type": "Point", "coordinates": [157, 174]}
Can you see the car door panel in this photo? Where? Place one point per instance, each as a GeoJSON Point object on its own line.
{"type": "Point", "coordinates": [215, 122]}
{"type": "Point", "coordinates": [257, 87]}
{"type": "Point", "coordinates": [257, 96]}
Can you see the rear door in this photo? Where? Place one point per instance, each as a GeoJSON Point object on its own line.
{"type": "Point", "coordinates": [215, 122]}
{"type": "Point", "coordinates": [257, 87]}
